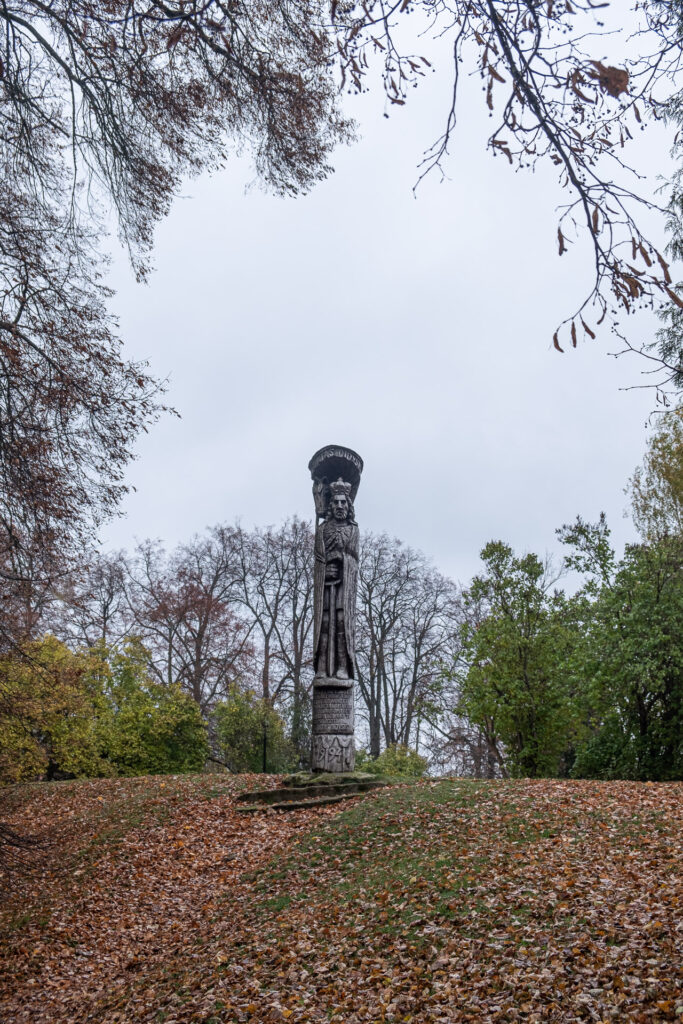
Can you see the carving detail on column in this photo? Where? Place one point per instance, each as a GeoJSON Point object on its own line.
{"type": "Point", "coordinates": [333, 753]}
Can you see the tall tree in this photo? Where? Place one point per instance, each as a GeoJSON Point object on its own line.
{"type": "Point", "coordinates": [466, 750]}
{"type": "Point", "coordinates": [515, 682]}
{"type": "Point", "coordinates": [92, 605]}
{"type": "Point", "coordinates": [108, 106]}
{"type": "Point", "coordinates": [70, 406]}
{"type": "Point", "coordinates": [276, 591]}
{"type": "Point", "coordinates": [184, 608]}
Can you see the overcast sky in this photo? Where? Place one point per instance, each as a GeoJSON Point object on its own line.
{"type": "Point", "coordinates": [416, 330]}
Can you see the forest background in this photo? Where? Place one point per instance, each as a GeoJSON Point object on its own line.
{"type": "Point", "coordinates": [167, 659]}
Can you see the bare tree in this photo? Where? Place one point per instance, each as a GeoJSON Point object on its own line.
{"type": "Point", "coordinates": [453, 743]}
{"type": "Point", "coordinates": [276, 589]}
{"type": "Point", "coordinates": [407, 628]}
{"type": "Point", "coordinates": [184, 608]}
{"type": "Point", "coordinates": [466, 750]}
{"type": "Point", "coordinates": [93, 605]}
{"type": "Point", "coordinates": [29, 573]}
{"type": "Point", "coordinates": [70, 407]}
{"type": "Point", "coordinates": [294, 656]}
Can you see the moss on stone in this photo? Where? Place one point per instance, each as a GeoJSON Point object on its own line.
{"type": "Point", "coordinates": [326, 778]}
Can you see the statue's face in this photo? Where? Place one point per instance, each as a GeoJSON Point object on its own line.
{"type": "Point", "coordinates": [340, 507]}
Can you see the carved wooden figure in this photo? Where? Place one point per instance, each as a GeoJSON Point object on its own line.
{"type": "Point", "coordinates": [336, 475]}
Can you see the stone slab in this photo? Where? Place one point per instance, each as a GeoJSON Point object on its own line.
{"type": "Point", "coordinates": [296, 805]}
{"type": "Point", "coordinates": [333, 711]}
{"type": "Point", "coordinates": [332, 683]}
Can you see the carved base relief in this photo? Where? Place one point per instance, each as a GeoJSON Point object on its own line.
{"type": "Point", "coordinates": [333, 753]}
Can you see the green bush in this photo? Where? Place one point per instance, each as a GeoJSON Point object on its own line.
{"type": "Point", "coordinates": [92, 713]}
{"type": "Point", "coordinates": [398, 761]}
{"type": "Point", "coordinates": [49, 706]}
{"type": "Point", "coordinates": [617, 753]}
{"type": "Point", "coordinates": [607, 755]}
{"type": "Point", "coordinates": [240, 724]}
{"type": "Point", "coordinates": [146, 728]}
{"type": "Point", "coordinates": [628, 667]}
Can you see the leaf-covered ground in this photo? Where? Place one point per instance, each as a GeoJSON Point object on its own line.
{"type": "Point", "coordinates": [153, 901]}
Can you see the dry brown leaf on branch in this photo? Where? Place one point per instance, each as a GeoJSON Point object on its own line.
{"type": "Point", "coordinates": [612, 80]}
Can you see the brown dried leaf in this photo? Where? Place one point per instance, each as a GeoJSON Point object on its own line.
{"type": "Point", "coordinates": [612, 80]}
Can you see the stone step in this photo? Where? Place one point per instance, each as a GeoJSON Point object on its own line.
{"type": "Point", "coordinates": [296, 805]}
{"type": "Point", "coordinates": [327, 778]}
{"type": "Point", "coordinates": [284, 794]}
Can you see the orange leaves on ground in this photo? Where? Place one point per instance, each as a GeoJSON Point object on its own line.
{"type": "Point", "coordinates": [443, 902]}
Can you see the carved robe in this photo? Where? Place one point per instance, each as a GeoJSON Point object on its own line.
{"type": "Point", "coordinates": [337, 542]}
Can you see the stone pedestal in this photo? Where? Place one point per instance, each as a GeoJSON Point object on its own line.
{"type": "Point", "coordinates": [333, 722]}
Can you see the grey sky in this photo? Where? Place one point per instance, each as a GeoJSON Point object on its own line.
{"type": "Point", "coordinates": [415, 330]}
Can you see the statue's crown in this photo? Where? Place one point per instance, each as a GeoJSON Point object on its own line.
{"type": "Point", "coordinates": [341, 487]}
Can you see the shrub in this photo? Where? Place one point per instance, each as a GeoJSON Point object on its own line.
{"type": "Point", "coordinates": [92, 713]}
{"type": "Point", "coordinates": [146, 728]}
{"type": "Point", "coordinates": [241, 721]}
{"type": "Point", "coordinates": [398, 761]}
{"type": "Point", "coordinates": [48, 712]}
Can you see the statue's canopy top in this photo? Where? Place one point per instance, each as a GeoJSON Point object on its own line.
{"type": "Point", "coordinates": [334, 461]}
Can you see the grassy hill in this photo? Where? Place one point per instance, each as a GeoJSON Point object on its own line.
{"type": "Point", "coordinates": [153, 900]}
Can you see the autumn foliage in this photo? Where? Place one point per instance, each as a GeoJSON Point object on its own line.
{"type": "Point", "coordinates": [104, 110]}
{"type": "Point", "coordinates": [449, 901]}
{"type": "Point", "coordinates": [92, 712]}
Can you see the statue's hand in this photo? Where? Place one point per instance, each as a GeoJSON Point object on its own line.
{"type": "Point", "coordinates": [332, 572]}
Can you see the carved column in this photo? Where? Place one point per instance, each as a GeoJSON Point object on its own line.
{"type": "Point", "coordinates": [336, 475]}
